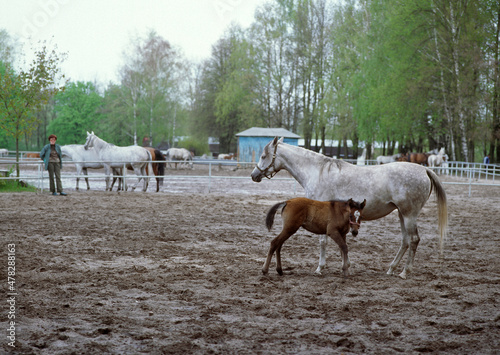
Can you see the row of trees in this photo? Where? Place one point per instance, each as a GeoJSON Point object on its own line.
{"type": "Point", "coordinates": [423, 73]}
{"type": "Point", "coordinates": [418, 73]}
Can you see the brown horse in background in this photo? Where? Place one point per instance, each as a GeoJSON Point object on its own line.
{"type": "Point", "coordinates": [33, 155]}
{"type": "Point", "coordinates": [334, 218]}
{"type": "Point", "coordinates": [417, 158]}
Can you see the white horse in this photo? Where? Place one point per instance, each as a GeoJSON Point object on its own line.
{"type": "Point", "coordinates": [362, 159]}
{"type": "Point", "coordinates": [112, 156]}
{"type": "Point", "coordinates": [386, 159]}
{"type": "Point", "coordinates": [402, 186]}
{"type": "Point", "coordinates": [84, 159]}
{"type": "Point", "coordinates": [436, 160]}
{"type": "Point", "coordinates": [181, 154]}
{"type": "Point", "coordinates": [4, 152]}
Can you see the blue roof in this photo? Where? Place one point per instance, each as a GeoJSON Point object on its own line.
{"type": "Point", "coordinates": [267, 132]}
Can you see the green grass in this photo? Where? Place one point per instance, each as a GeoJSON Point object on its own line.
{"type": "Point", "coordinates": [14, 186]}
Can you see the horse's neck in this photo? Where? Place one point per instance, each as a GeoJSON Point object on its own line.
{"type": "Point", "coordinates": [304, 165]}
{"type": "Point", "coordinates": [100, 143]}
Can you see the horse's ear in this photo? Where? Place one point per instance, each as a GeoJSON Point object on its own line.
{"type": "Point", "coordinates": [93, 133]}
{"type": "Point", "coordinates": [350, 202]}
{"type": "Point", "coordinates": [363, 204]}
{"type": "Point", "coordinates": [281, 140]}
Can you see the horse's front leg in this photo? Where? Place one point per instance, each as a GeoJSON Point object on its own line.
{"type": "Point", "coordinates": [323, 241]}
{"type": "Point", "coordinates": [107, 172]}
{"type": "Point", "coordinates": [85, 171]}
{"type": "Point", "coordinates": [78, 172]}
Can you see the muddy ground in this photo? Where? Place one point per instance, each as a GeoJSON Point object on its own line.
{"type": "Point", "coordinates": [180, 272]}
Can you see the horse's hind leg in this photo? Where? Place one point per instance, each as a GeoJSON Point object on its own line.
{"type": "Point", "coordinates": [323, 241]}
{"type": "Point", "coordinates": [405, 243]}
{"type": "Point", "coordinates": [412, 230]}
{"type": "Point", "coordinates": [276, 244]}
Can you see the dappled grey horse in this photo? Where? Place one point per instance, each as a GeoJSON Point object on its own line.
{"type": "Point", "coordinates": [402, 186]}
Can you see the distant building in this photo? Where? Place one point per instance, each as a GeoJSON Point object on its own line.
{"type": "Point", "coordinates": [251, 142]}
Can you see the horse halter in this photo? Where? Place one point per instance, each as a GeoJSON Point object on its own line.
{"type": "Point", "coordinates": [271, 165]}
{"type": "Point", "coordinates": [352, 222]}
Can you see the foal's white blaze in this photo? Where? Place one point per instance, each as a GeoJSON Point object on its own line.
{"type": "Point", "coordinates": [357, 215]}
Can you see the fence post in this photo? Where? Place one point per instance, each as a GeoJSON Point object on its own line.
{"type": "Point", "coordinates": [209, 176]}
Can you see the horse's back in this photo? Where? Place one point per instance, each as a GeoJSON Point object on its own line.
{"type": "Point", "coordinates": [116, 156]}
{"type": "Point", "coordinates": [385, 187]}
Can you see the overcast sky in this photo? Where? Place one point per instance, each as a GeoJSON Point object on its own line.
{"type": "Point", "coordinates": [94, 33]}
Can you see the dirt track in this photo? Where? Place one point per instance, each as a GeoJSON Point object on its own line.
{"type": "Point", "coordinates": [167, 272]}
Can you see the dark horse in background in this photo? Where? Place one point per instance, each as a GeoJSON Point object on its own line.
{"type": "Point", "coordinates": [417, 158]}
{"type": "Point", "coordinates": [158, 168]}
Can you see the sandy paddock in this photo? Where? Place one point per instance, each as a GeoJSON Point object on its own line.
{"type": "Point", "coordinates": [180, 272]}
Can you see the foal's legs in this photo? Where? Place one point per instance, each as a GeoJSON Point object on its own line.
{"type": "Point", "coordinates": [276, 244]}
{"type": "Point", "coordinates": [340, 240]}
{"type": "Point", "coordinates": [323, 241]}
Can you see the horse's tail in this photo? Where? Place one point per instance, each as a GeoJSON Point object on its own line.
{"type": "Point", "coordinates": [161, 166]}
{"type": "Point", "coordinates": [442, 206]}
{"type": "Point", "coordinates": [271, 213]}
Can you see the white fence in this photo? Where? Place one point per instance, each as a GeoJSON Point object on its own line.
{"type": "Point", "coordinates": [32, 171]}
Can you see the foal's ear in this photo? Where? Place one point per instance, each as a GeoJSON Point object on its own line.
{"type": "Point", "coordinates": [363, 204]}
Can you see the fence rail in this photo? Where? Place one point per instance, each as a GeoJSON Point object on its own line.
{"type": "Point", "coordinates": [470, 174]}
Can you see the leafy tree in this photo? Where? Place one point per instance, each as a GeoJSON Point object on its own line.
{"type": "Point", "coordinates": [79, 109]}
{"type": "Point", "coordinates": [21, 94]}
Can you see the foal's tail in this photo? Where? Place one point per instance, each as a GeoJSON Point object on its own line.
{"type": "Point", "coordinates": [271, 213]}
{"type": "Point", "coordinates": [442, 207]}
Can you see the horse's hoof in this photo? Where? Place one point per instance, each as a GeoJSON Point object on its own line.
{"type": "Point", "coordinates": [403, 275]}
{"type": "Point", "coordinates": [280, 272]}
{"type": "Point", "coordinates": [264, 272]}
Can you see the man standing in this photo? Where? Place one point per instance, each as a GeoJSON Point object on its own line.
{"type": "Point", "coordinates": [486, 160]}
{"type": "Point", "coordinates": [52, 157]}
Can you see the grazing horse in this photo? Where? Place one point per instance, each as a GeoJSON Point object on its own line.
{"type": "Point", "coordinates": [5, 152]}
{"type": "Point", "coordinates": [229, 156]}
{"type": "Point", "coordinates": [112, 156]}
{"type": "Point", "coordinates": [333, 218]}
{"type": "Point", "coordinates": [181, 154]}
{"type": "Point", "coordinates": [386, 159]}
{"type": "Point", "coordinates": [32, 155]}
{"type": "Point", "coordinates": [405, 187]}
{"type": "Point", "coordinates": [158, 169]}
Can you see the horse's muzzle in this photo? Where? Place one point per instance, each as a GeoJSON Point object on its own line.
{"type": "Point", "coordinates": [256, 175]}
